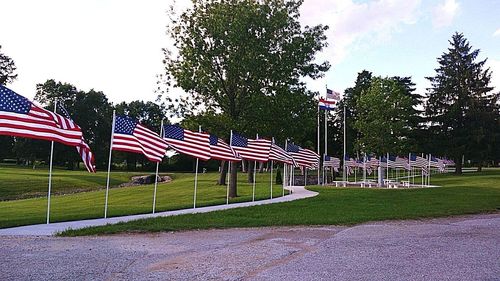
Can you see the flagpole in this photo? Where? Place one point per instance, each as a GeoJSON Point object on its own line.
{"type": "Point", "coordinates": [326, 141]}
{"type": "Point", "coordinates": [318, 142]}
{"type": "Point", "coordinates": [271, 179]}
{"type": "Point", "coordinates": [228, 168]}
{"type": "Point", "coordinates": [156, 175]}
{"type": "Point", "coordinates": [228, 179]}
{"type": "Point", "coordinates": [387, 164]}
{"type": "Point", "coordinates": [364, 169]}
{"type": "Point", "coordinates": [196, 176]}
{"type": "Point", "coordinates": [344, 171]}
{"type": "Point", "coordinates": [109, 164]}
{"type": "Point", "coordinates": [283, 182]}
{"type": "Point", "coordinates": [50, 170]}
{"type": "Point", "coordinates": [254, 172]}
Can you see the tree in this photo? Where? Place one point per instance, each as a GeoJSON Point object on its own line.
{"type": "Point", "coordinates": [90, 110]}
{"type": "Point", "coordinates": [461, 108]}
{"type": "Point", "coordinates": [350, 101]}
{"type": "Point", "coordinates": [7, 69]}
{"type": "Point", "coordinates": [7, 75]}
{"type": "Point", "coordinates": [242, 61]}
{"type": "Point", "coordinates": [385, 113]}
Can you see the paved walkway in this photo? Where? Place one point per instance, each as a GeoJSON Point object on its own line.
{"type": "Point", "coordinates": [298, 192]}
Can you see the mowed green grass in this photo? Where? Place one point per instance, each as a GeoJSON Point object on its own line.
{"type": "Point", "coordinates": [466, 194]}
{"type": "Point", "coordinates": [18, 182]}
{"type": "Point", "coordinates": [128, 200]}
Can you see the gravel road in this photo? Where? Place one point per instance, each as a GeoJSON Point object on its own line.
{"type": "Point", "coordinates": [461, 248]}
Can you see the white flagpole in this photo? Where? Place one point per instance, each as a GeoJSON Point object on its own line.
{"type": "Point", "coordinates": [318, 136]}
{"type": "Point", "coordinates": [344, 172]}
{"type": "Point", "coordinates": [271, 179]}
{"type": "Point", "coordinates": [109, 164]}
{"type": "Point", "coordinates": [196, 177]}
{"type": "Point", "coordinates": [283, 182]}
{"type": "Point", "coordinates": [364, 168]}
{"type": "Point", "coordinates": [326, 142]}
{"type": "Point", "coordinates": [228, 179]}
{"type": "Point", "coordinates": [50, 170]}
{"type": "Point", "coordinates": [254, 172]}
{"type": "Point", "coordinates": [229, 168]}
{"type": "Point", "coordinates": [409, 168]}
{"type": "Point", "coordinates": [387, 164]}
{"type": "Point", "coordinates": [305, 176]}
{"type": "Point", "coordinates": [156, 175]}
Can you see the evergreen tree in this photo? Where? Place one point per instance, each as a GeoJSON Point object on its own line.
{"type": "Point", "coordinates": [461, 109]}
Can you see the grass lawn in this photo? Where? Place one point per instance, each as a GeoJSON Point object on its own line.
{"type": "Point", "coordinates": [18, 182]}
{"type": "Point", "coordinates": [466, 194]}
{"type": "Point", "coordinates": [122, 201]}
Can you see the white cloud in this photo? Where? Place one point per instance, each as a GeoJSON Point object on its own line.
{"type": "Point", "coordinates": [496, 33]}
{"type": "Point", "coordinates": [352, 22]}
{"type": "Point", "coordinates": [355, 25]}
{"type": "Point", "coordinates": [444, 13]}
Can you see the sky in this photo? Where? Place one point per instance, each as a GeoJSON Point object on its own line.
{"type": "Point", "coordinates": [115, 46]}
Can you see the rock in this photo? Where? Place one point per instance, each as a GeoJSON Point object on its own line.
{"type": "Point", "coordinates": [148, 179]}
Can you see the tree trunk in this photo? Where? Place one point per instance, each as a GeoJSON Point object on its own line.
{"type": "Point", "coordinates": [458, 165]}
{"type": "Point", "coordinates": [250, 171]}
{"type": "Point", "coordinates": [233, 192]}
{"type": "Point", "coordinates": [243, 166]}
{"type": "Point", "coordinates": [480, 166]}
{"type": "Point", "coordinates": [223, 173]}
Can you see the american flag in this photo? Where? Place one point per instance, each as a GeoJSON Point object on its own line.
{"type": "Point", "coordinates": [419, 162]}
{"type": "Point", "coordinates": [251, 149]}
{"type": "Point", "coordinates": [349, 162]}
{"type": "Point", "coordinates": [129, 135]}
{"type": "Point", "coordinates": [448, 162]}
{"type": "Point", "coordinates": [303, 157]}
{"type": "Point", "coordinates": [402, 162]}
{"type": "Point", "coordinates": [279, 154]}
{"type": "Point", "coordinates": [372, 161]}
{"type": "Point", "coordinates": [333, 162]}
{"type": "Point", "coordinates": [331, 94]}
{"type": "Point", "coordinates": [221, 150]}
{"type": "Point", "coordinates": [196, 144]}
{"type": "Point", "coordinates": [83, 149]}
{"type": "Point", "coordinates": [437, 163]}
{"type": "Point", "coordinates": [19, 117]}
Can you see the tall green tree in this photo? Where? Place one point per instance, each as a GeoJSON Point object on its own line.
{"type": "Point", "coordinates": [461, 106]}
{"type": "Point", "coordinates": [242, 61]}
{"type": "Point", "coordinates": [385, 113]}
{"type": "Point", "coordinates": [90, 110]}
{"type": "Point", "coordinates": [7, 69]}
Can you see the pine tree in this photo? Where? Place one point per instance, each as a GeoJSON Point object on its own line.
{"type": "Point", "coordinates": [461, 107]}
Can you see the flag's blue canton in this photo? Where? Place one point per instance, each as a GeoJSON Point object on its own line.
{"type": "Point", "coordinates": [174, 132]}
{"type": "Point", "coordinates": [125, 125]}
{"type": "Point", "coordinates": [214, 140]}
{"type": "Point", "coordinates": [328, 91]}
{"type": "Point", "coordinates": [368, 158]}
{"type": "Point", "coordinates": [239, 141]}
{"type": "Point", "coordinates": [63, 110]}
{"type": "Point", "coordinates": [12, 102]}
{"type": "Point", "coordinates": [346, 157]}
{"type": "Point", "coordinates": [327, 158]}
{"type": "Point", "coordinates": [434, 159]}
{"type": "Point", "coordinates": [413, 157]}
{"type": "Point", "coordinates": [383, 159]}
{"type": "Point", "coordinates": [292, 148]}
{"type": "Point", "coordinates": [392, 158]}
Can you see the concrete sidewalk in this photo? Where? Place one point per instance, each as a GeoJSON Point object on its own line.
{"type": "Point", "coordinates": [298, 192]}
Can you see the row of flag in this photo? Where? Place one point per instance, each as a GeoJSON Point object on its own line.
{"type": "Point", "coordinates": [20, 117]}
{"type": "Point", "coordinates": [390, 161]}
